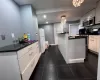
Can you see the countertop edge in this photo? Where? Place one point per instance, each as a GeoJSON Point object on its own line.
{"type": "Point", "coordinates": [76, 38]}
{"type": "Point", "coordinates": [15, 50]}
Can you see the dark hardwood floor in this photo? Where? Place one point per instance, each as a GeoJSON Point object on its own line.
{"type": "Point", "coordinates": [52, 66]}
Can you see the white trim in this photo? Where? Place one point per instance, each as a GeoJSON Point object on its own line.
{"type": "Point", "coordinates": [76, 60]}
{"type": "Point", "coordinates": [53, 44]}
{"type": "Point", "coordinates": [43, 51]}
{"type": "Point", "coordinates": [51, 10]}
{"type": "Point", "coordinates": [40, 53]}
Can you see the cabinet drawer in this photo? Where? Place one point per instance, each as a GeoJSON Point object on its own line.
{"type": "Point", "coordinates": [34, 45]}
{"type": "Point", "coordinates": [23, 61]}
{"type": "Point", "coordinates": [27, 49]}
{"type": "Point", "coordinates": [24, 51]}
{"type": "Point", "coordinates": [27, 73]}
{"type": "Point", "coordinates": [37, 58]}
{"type": "Point", "coordinates": [36, 50]}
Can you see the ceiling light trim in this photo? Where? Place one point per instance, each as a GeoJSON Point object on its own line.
{"type": "Point", "coordinates": [51, 11]}
{"type": "Point", "coordinates": [47, 22]}
{"type": "Point", "coordinates": [44, 16]}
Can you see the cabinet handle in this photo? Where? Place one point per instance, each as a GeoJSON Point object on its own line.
{"type": "Point", "coordinates": [29, 48]}
{"type": "Point", "coordinates": [31, 54]}
{"type": "Point", "coordinates": [32, 64]}
{"type": "Point", "coordinates": [37, 46]}
{"type": "Point", "coordinates": [92, 40]}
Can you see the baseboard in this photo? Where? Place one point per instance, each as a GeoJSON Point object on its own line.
{"type": "Point", "coordinates": [80, 60]}
{"type": "Point", "coordinates": [40, 53]}
{"type": "Point", "coordinates": [93, 53]}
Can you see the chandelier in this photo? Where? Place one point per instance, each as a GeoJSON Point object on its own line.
{"type": "Point", "coordinates": [63, 19]}
{"type": "Point", "coordinates": [77, 3]}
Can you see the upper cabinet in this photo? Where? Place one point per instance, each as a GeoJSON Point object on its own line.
{"type": "Point", "coordinates": [93, 13]}
{"type": "Point", "coordinates": [88, 16]}
{"type": "Point", "coordinates": [97, 20]}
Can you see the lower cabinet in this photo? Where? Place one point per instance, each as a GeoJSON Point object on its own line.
{"type": "Point", "coordinates": [29, 69]}
{"type": "Point", "coordinates": [28, 61]}
{"type": "Point", "coordinates": [93, 43]}
{"type": "Point", "coordinates": [19, 65]}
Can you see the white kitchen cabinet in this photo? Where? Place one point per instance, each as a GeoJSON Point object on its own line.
{"type": "Point", "coordinates": [29, 69]}
{"type": "Point", "coordinates": [28, 61]}
{"type": "Point", "coordinates": [19, 64]}
{"type": "Point", "coordinates": [90, 44]}
{"type": "Point", "coordinates": [98, 45]}
{"type": "Point", "coordinates": [93, 43]}
{"type": "Point", "coordinates": [97, 20]}
{"type": "Point", "coordinates": [87, 16]}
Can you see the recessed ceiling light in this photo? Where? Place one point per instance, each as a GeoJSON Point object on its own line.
{"type": "Point", "coordinates": [46, 22]}
{"type": "Point", "coordinates": [44, 16]}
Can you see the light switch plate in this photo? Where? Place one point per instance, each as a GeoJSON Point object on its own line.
{"type": "Point", "coordinates": [13, 35]}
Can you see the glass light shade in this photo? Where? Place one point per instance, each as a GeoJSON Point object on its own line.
{"type": "Point", "coordinates": [77, 3]}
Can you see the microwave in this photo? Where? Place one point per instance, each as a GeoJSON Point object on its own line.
{"type": "Point", "coordinates": [89, 23]}
{"type": "Point", "coordinates": [92, 21]}
{"type": "Point", "coordinates": [86, 23]}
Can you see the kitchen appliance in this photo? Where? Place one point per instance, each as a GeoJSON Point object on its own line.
{"type": "Point", "coordinates": [86, 23]}
{"type": "Point", "coordinates": [89, 22]}
{"type": "Point", "coordinates": [92, 21]}
{"type": "Point", "coordinates": [99, 31]}
{"type": "Point", "coordinates": [95, 31]}
{"type": "Point", "coordinates": [82, 31]}
{"type": "Point", "coordinates": [88, 32]}
{"type": "Point", "coordinates": [42, 40]}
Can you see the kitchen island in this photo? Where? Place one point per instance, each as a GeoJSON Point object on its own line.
{"type": "Point", "coordinates": [17, 62]}
{"type": "Point", "coordinates": [73, 48]}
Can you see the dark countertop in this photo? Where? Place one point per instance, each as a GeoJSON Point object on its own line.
{"type": "Point", "coordinates": [76, 37]}
{"type": "Point", "coordinates": [14, 47]}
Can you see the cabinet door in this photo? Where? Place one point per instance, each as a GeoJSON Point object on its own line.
{"type": "Point", "coordinates": [98, 44]}
{"type": "Point", "coordinates": [95, 45]}
{"type": "Point", "coordinates": [98, 13]}
{"type": "Point", "coordinates": [90, 43]}
{"type": "Point", "coordinates": [28, 71]}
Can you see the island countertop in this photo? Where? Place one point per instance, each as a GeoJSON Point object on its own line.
{"type": "Point", "coordinates": [76, 37]}
{"type": "Point", "coordinates": [14, 47]}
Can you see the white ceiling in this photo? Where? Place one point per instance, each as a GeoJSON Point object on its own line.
{"type": "Point", "coordinates": [54, 9]}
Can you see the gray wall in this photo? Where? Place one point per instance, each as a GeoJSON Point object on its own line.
{"type": "Point", "coordinates": [9, 21]}
{"type": "Point", "coordinates": [17, 20]}
{"type": "Point", "coordinates": [29, 21]}
{"type": "Point", "coordinates": [49, 32]}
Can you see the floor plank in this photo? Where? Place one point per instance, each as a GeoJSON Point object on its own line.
{"type": "Point", "coordinates": [52, 66]}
